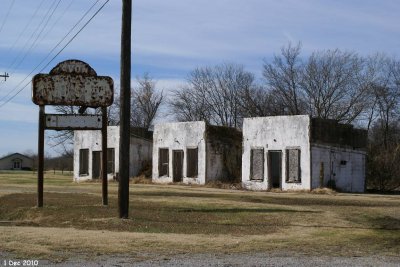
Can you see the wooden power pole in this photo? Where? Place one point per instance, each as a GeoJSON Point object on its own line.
{"type": "Point", "coordinates": [5, 76]}
{"type": "Point", "coordinates": [125, 110]}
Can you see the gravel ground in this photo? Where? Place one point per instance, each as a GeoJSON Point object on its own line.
{"type": "Point", "coordinates": [254, 259]}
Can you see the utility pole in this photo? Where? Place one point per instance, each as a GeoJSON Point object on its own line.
{"type": "Point", "coordinates": [125, 110]}
{"type": "Point", "coordinates": [5, 76]}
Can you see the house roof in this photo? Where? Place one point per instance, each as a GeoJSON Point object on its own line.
{"type": "Point", "coordinates": [13, 154]}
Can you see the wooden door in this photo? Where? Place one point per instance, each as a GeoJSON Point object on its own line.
{"type": "Point", "coordinates": [96, 164]}
{"type": "Point", "coordinates": [177, 165]}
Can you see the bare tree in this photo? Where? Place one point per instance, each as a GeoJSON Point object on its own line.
{"type": "Point", "coordinates": [212, 94]}
{"type": "Point", "coordinates": [387, 97]}
{"type": "Point", "coordinates": [384, 145]}
{"type": "Point", "coordinates": [188, 105]}
{"type": "Point", "coordinates": [334, 85]}
{"type": "Point", "coordinates": [257, 101]}
{"type": "Point", "coordinates": [146, 101]}
{"type": "Point", "coordinates": [283, 76]}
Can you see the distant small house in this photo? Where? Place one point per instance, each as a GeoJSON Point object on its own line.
{"type": "Point", "coordinates": [16, 161]}
{"type": "Point", "coordinates": [301, 153]}
{"type": "Point", "coordinates": [88, 151]}
{"type": "Point", "coordinates": [195, 153]}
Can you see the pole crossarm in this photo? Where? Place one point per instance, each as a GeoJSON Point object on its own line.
{"type": "Point", "coordinates": [5, 76]}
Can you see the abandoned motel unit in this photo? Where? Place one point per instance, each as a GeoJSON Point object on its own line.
{"type": "Point", "coordinates": [195, 153]}
{"type": "Point", "coordinates": [285, 152]}
{"type": "Point", "coordinates": [88, 152]}
{"type": "Point", "coordinates": [302, 153]}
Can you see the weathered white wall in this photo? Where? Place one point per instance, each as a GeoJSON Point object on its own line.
{"type": "Point", "coordinates": [349, 177]}
{"type": "Point", "coordinates": [92, 140]}
{"type": "Point", "coordinates": [140, 150]}
{"type": "Point", "coordinates": [277, 133]}
{"type": "Point", "coordinates": [180, 136]}
{"type": "Point", "coordinates": [6, 163]}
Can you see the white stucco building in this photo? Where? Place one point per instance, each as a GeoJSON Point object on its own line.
{"type": "Point", "coordinates": [195, 153]}
{"type": "Point", "coordinates": [87, 152]}
{"type": "Point", "coordinates": [300, 153]}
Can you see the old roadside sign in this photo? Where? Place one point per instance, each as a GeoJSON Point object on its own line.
{"type": "Point", "coordinates": [72, 83]}
{"type": "Point", "coordinates": [73, 122]}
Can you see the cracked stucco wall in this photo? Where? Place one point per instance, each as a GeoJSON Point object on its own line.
{"type": "Point", "coordinates": [277, 133]}
{"type": "Point", "coordinates": [180, 136]}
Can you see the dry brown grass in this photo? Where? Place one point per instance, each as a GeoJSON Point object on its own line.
{"type": "Point", "coordinates": [168, 219]}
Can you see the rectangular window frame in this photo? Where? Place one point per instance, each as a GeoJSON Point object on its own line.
{"type": "Point", "coordinates": [110, 160]}
{"type": "Point", "coordinates": [163, 162]}
{"type": "Point", "coordinates": [83, 162]}
{"type": "Point", "coordinates": [288, 178]}
{"type": "Point", "coordinates": [252, 150]}
{"type": "Point", "coordinates": [192, 165]}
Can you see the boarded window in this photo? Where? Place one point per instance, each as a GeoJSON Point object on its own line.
{"type": "Point", "coordinates": [192, 162]}
{"type": "Point", "coordinates": [257, 164]}
{"type": "Point", "coordinates": [110, 160]}
{"type": "Point", "coordinates": [293, 171]}
{"type": "Point", "coordinates": [163, 160]}
{"type": "Point", "coordinates": [83, 161]}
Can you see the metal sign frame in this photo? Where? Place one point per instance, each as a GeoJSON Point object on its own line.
{"type": "Point", "coordinates": [72, 83]}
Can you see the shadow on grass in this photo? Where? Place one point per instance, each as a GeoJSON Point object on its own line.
{"type": "Point", "coordinates": [267, 199]}
{"type": "Point", "coordinates": [239, 210]}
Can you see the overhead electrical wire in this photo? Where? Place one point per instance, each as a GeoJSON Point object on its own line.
{"type": "Point", "coordinates": [52, 50]}
{"type": "Point", "coordinates": [43, 36]}
{"type": "Point", "coordinates": [6, 17]}
{"type": "Point", "coordinates": [25, 28]}
{"type": "Point", "coordinates": [57, 20]}
{"type": "Point", "coordinates": [45, 21]}
{"type": "Point", "coordinates": [54, 57]}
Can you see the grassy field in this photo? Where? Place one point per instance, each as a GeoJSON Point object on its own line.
{"type": "Point", "coordinates": [174, 219]}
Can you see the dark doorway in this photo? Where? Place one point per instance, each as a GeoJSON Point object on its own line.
{"type": "Point", "coordinates": [96, 164]}
{"type": "Point", "coordinates": [274, 169]}
{"type": "Point", "coordinates": [177, 163]}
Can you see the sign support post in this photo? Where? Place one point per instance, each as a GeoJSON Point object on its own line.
{"type": "Point", "coordinates": [104, 156]}
{"type": "Point", "coordinates": [40, 156]}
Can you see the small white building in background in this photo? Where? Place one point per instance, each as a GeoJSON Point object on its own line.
{"type": "Point", "coordinates": [16, 161]}
{"type": "Point", "coordinates": [195, 153]}
{"type": "Point", "coordinates": [301, 153]}
{"type": "Point", "coordinates": [88, 150]}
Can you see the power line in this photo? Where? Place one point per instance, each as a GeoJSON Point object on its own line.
{"type": "Point", "coordinates": [58, 53]}
{"type": "Point", "coordinates": [45, 20]}
{"type": "Point", "coordinates": [26, 26]}
{"type": "Point", "coordinates": [6, 17]}
{"type": "Point", "coordinates": [52, 50]}
{"type": "Point", "coordinates": [62, 15]}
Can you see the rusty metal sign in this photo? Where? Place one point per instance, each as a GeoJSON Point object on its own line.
{"type": "Point", "coordinates": [72, 83]}
{"type": "Point", "coordinates": [73, 122]}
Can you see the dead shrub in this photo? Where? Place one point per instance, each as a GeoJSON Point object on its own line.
{"type": "Point", "coordinates": [222, 185]}
{"type": "Point", "coordinates": [141, 179]}
{"type": "Point", "coordinates": [323, 191]}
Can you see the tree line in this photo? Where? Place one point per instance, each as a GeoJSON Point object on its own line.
{"type": "Point", "coordinates": [329, 84]}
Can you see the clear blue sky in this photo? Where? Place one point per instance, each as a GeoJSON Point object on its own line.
{"type": "Point", "coordinates": [172, 37]}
